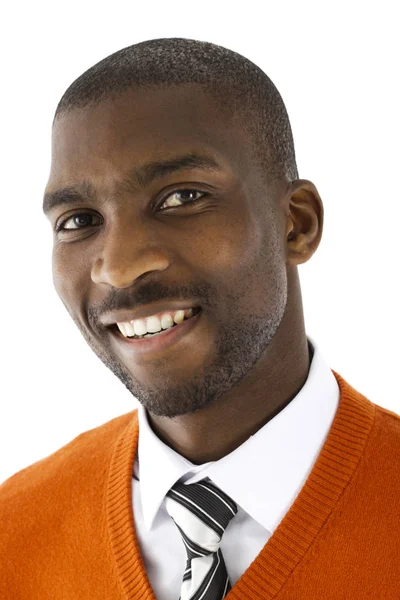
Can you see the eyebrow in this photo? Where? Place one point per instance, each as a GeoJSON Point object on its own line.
{"type": "Point", "coordinates": [137, 177]}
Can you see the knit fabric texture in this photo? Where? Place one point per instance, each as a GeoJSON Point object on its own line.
{"type": "Point", "coordinates": [67, 527]}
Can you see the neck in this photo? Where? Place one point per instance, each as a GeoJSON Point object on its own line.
{"type": "Point", "coordinates": [223, 426]}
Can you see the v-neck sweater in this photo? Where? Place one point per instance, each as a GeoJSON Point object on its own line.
{"type": "Point", "coordinates": [67, 526]}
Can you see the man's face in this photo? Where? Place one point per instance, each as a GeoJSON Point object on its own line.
{"type": "Point", "coordinates": [145, 243]}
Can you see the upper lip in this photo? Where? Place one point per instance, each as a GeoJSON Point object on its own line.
{"type": "Point", "coordinates": [124, 316]}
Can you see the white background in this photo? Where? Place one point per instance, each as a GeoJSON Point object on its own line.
{"type": "Point", "coordinates": [337, 67]}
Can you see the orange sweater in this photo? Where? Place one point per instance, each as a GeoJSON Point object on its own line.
{"type": "Point", "coordinates": [67, 529]}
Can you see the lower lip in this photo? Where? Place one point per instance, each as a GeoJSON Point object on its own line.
{"type": "Point", "coordinates": [161, 341]}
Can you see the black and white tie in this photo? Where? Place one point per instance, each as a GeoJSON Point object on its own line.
{"type": "Point", "coordinates": [202, 511]}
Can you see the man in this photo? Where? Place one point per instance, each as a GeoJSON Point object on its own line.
{"type": "Point", "coordinates": [251, 469]}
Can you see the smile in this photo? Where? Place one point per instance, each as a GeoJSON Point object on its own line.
{"type": "Point", "coordinates": [157, 341]}
{"type": "Point", "coordinates": [155, 324]}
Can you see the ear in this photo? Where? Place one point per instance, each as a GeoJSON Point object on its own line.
{"type": "Point", "coordinates": [304, 213]}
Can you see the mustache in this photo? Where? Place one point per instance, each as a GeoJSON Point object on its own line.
{"type": "Point", "coordinates": [135, 297]}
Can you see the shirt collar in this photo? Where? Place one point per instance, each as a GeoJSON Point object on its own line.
{"type": "Point", "coordinates": [265, 473]}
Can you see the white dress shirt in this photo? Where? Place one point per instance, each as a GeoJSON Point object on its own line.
{"type": "Point", "coordinates": [263, 476]}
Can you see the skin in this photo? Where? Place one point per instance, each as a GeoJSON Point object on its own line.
{"type": "Point", "coordinates": [235, 252]}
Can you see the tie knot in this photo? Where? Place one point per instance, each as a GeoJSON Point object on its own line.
{"type": "Point", "coordinates": [201, 512]}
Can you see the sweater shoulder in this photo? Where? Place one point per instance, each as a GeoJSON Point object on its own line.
{"type": "Point", "coordinates": [54, 520]}
{"type": "Point", "coordinates": [388, 418]}
{"type": "Point", "coordinates": [363, 416]}
{"type": "Point", "coordinates": [86, 455]}
{"type": "Point", "coordinates": [380, 465]}
{"type": "Point", "coordinates": [386, 433]}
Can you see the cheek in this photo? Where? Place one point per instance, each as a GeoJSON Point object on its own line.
{"type": "Point", "coordinates": [244, 261]}
{"type": "Point", "coordinates": [70, 277]}
{"type": "Point", "coordinates": [231, 248]}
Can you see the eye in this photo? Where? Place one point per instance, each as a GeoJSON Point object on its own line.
{"type": "Point", "coordinates": [76, 221]}
{"type": "Point", "coordinates": [182, 197]}
{"type": "Point", "coordinates": [177, 198]}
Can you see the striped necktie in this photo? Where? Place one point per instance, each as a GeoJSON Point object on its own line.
{"type": "Point", "coordinates": [202, 511]}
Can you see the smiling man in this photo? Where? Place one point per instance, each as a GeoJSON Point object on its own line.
{"type": "Point", "coordinates": [250, 469]}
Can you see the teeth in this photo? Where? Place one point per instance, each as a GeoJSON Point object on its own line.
{"type": "Point", "coordinates": [140, 326]}
{"type": "Point", "coordinates": [166, 321]}
{"type": "Point", "coordinates": [179, 316]}
{"type": "Point", "coordinates": [129, 328]}
{"type": "Point", "coordinates": [153, 324]}
{"type": "Point", "coordinates": [123, 329]}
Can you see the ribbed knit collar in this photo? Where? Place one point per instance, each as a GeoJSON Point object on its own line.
{"type": "Point", "coordinates": [294, 535]}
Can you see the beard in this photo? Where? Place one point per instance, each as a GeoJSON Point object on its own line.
{"type": "Point", "coordinates": [240, 343]}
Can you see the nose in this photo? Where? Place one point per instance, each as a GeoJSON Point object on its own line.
{"type": "Point", "coordinates": [127, 253]}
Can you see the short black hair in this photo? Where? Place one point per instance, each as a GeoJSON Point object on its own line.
{"type": "Point", "coordinates": [240, 86]}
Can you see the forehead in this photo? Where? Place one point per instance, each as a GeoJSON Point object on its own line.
{"type": "Point", "coordinates": [142, 125]}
